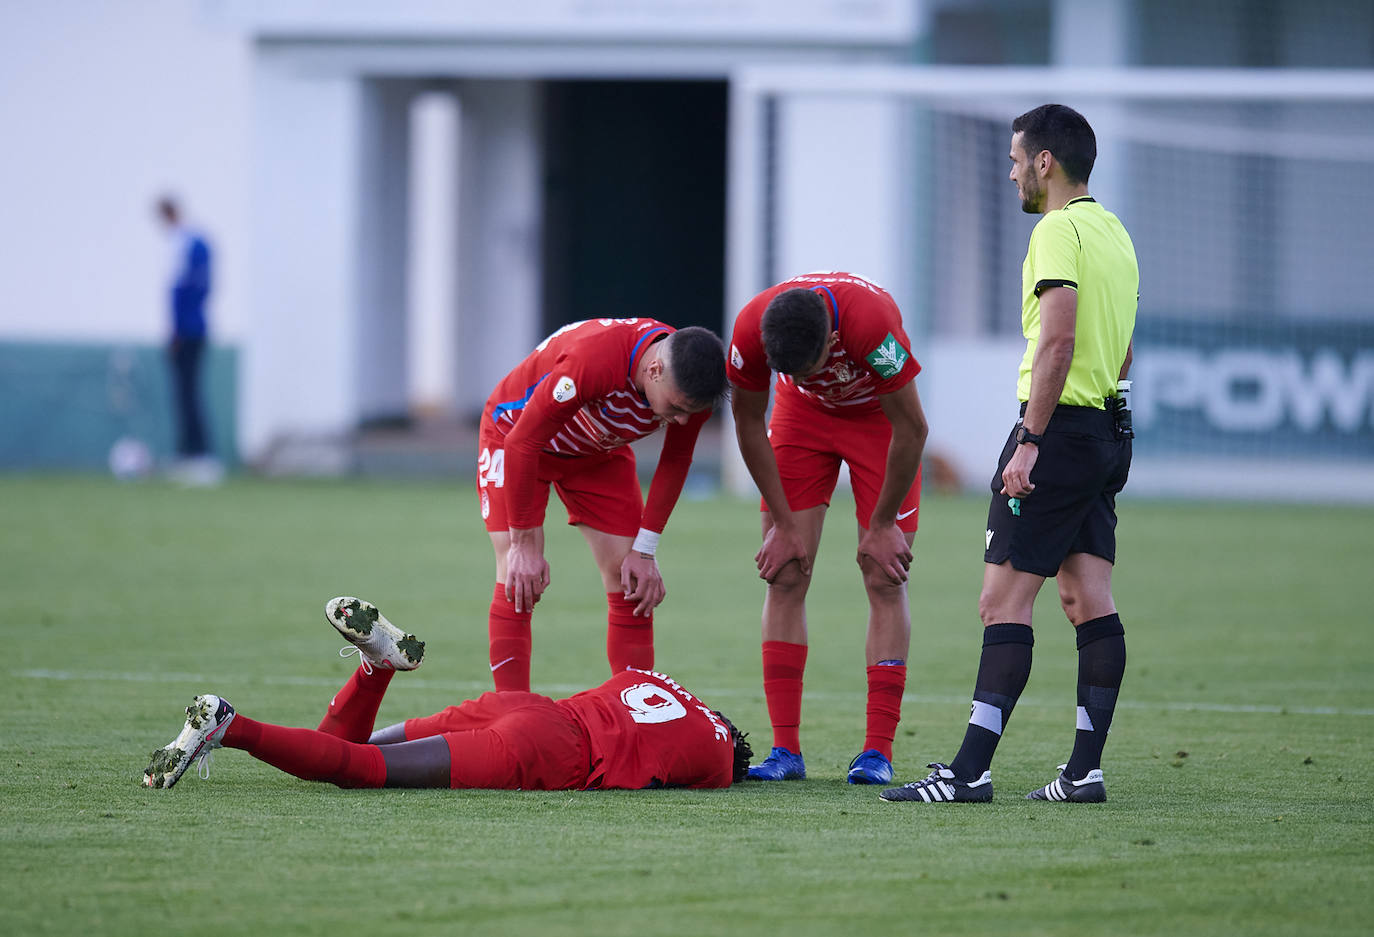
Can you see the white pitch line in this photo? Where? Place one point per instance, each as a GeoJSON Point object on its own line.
{"type": "Point", "coordinates": [467, 686]}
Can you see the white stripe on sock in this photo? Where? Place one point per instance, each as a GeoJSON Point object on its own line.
{"type": "Point", "coordinates": [986, 716]}
{"type": "Point", "coordinates": [1085, 722]}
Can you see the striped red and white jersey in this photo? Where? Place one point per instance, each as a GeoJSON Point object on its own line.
{"type": "Point", "coordinates": [580, 381]}
{"type": "Point", "coordinates": [872, 357]}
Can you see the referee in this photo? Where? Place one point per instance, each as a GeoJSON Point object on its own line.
{"type": "Point", "coordinates": [1053, 509]}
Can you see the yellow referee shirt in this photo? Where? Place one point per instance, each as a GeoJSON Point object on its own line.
{"type": "Point", "coordinates": [1084, 247]}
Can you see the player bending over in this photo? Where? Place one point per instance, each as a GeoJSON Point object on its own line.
{"type": "Point", "coordinates": [845, 393]}
{"type": "Point", "coordinates": [637, 730]}
{"type": "Point", "coordinates": [564, 420]}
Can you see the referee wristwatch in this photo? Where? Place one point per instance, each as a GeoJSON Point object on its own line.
{"type": "Point", "coordinates": [1024, 436]}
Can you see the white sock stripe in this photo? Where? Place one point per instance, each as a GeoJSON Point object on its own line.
{"type": "Point", "coordinates": [986, 716]}
{"type": "Point", "coordinates": [1085, 722]}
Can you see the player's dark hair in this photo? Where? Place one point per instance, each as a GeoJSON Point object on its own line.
{"type": "Point", "coordinates": [168, 209]}
{"type": "Point", "coordinates": [1065, 133]}
{"type": "Point", "coordinates": [796, 326]}
{"type": "Point", "coordinates": [744, 752]}
{"type": "Point", "coordinates": [696, 359]}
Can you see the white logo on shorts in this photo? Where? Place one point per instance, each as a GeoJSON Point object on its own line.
{"type": "Point", "coordinates": [987, 542]}
{"type": "Point", "coordinates": [564, 390]}
{"type": "Point", "coordinates": [735, 357]}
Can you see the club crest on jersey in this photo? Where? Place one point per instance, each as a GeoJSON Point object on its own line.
{"type": "Point", "coordinates": [736, 358]}
{"type": "Point", "coordinates": [564, 390]}
{"type": "Point", "coordinates": [887, 359]}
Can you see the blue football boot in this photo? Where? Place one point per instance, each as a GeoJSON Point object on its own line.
{"type": "Point", "coordinates": [780, 765]}
{"type": "Point", "coordinates": [870, 767]}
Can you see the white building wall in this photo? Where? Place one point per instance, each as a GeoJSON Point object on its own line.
{"type": "Point", "coordinates": [300, 373]}
{"type": "Point", "coordinates": [843, 191]}
{"type": "Point", "coordinates": [501, 189]}
{"type": "Point", "coordinates": [381, 356]}
{"type": "Point", "coordinates": [103, 108]}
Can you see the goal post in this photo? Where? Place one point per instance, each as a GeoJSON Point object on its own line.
{"type": "Point", "coordinates": [1247, 194]}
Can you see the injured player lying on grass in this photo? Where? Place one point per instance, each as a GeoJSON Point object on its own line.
{"type": "Point", "coordinates": [639, 729]}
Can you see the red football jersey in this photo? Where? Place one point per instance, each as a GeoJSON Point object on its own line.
{"type": "Point", "coordinates": [575, 395]}
{"type": "Point", "coordinates": [647, 731]}
{"type": "Point", "coordinates": [581, 379]}
{"type": "Point", "coordinates": [872, 357]}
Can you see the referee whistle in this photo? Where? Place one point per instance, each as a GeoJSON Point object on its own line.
{"type": "Point", "coordinates": [1015, 505]}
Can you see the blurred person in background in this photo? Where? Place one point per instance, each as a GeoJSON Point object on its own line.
{"type": "Point", "coordinates": [188, 293]}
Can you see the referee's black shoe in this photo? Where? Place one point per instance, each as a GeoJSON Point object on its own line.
{"type": "Point", "coordinates": [1090, 790]}
{"type": "Point", "coordinates": [942, 787]}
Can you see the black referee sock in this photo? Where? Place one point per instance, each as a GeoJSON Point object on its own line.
{"type": "Point", "coordinates": [1101, 665]}
{"type": "Point", "coordinates": [1003, 670]}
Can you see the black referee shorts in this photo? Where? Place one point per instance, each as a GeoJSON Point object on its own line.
{"type": "Point", "coordinates": [1081, 467]}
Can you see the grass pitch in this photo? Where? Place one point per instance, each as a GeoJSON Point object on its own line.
{"type": "Point", "coordinates": [1240, 772]}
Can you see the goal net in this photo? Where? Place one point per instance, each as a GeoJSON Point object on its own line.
{"type": "Point", "coordinates": [1248, 197]}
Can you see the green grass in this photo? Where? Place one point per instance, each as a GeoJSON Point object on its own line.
{"type": "Point", "coordinates": [1239, 773]}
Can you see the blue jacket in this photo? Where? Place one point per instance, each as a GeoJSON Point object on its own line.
{"type": "Point", "coordinates": [191, 288]}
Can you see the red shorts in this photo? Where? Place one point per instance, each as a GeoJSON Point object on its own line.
{"type": "Point", "coordinates": [810, 442]}
{"type": "Point", "coordinates": [601, 491]}
{"type": "Point", "coordinates": [510, 741]}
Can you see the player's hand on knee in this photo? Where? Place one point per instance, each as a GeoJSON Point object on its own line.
{"type": "Point", "coordinates": [886, 549]}
{"type": "Point", "coordinates": [779, 548]}
{"type": "Point", "coordinates": [642, 582]}
{"type": "Point", "coordinates": [525, 592]}
{"type": "Point", "coordinates": [648, 597]}
{"type": "Point", "coordinates": [526, 580]}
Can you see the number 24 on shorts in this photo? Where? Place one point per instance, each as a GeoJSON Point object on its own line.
{"type": "Point", "coordinates": [491, 468]}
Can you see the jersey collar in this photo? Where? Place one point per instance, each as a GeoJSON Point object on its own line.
{"type": "Point", "coordinates": [834, 306]}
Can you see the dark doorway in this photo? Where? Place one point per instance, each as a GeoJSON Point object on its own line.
{"type": "Point", "coordinates": [634, 199]}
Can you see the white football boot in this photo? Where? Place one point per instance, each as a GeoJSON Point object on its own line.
{"type": "Point", "coordinates": [376, 641]}
{"type": "Point", "coordinates": [207, 718]}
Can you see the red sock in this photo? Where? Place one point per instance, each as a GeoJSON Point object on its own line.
{"type": "Point", "coordinates": [629, 638]}
{"type": "Point", "coordinates": [508, 633]}
{"type": "Point", "coordinates": [353, 710]}
{"type": "Point", "coordinates": [308, 754]}
{"type": "Point", "coordinates": [783, 666]}
{"type": "Point", "coordinates": [885, 685]}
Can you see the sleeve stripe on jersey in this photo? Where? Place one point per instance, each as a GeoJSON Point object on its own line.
{"type": "Point", "coordinates": [501, 409]}
{"type": "Point", "coordinates": [1046, 284]}
{"type": "Point", "coordinates": [634, 352]}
